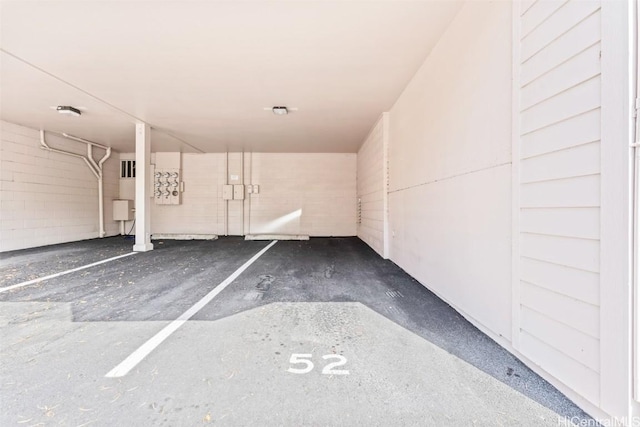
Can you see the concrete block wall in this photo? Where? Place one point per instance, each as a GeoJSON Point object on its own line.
{"type": "Point", "coordinates": [312, 194]}
{"type": "Point", "coordinates": [48, 198]}
{"type": "Point", "coordinates": [198, 213]}
{"type": "Point", "coordinates": [372, 187]}
{"type": "Point", "coordinates": [201, 210]}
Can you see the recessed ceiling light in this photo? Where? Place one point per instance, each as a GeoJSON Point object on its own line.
{"type": "Point", "coordinates": [280, 111]}
{"type": "Point", "coordinates": [66, 109]}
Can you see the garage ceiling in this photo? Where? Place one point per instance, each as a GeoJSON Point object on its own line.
{"type": "Point", "coordinates": [205, 74]}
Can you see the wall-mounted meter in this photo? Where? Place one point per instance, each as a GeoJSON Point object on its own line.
{"type": "Point", "coordinates": [168, 187]}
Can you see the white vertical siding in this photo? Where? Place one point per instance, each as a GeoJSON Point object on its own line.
{"type": "Point", "coordinates": [48, 198]}
{"type": "Point", "coordinates": [558, 79]}
{"type": "Point", "coordinates": [372, 188]}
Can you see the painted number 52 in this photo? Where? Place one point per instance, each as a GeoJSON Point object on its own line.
{"type": "Point", "coordinates": [306, 365]}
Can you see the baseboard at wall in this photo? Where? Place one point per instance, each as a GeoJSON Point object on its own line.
{"type": "Point", "coordinates": [576, 398]}
{"type": "Point", "coordinates": [276, 237]}
{"type": "Point", "coordinates": [169, 236]}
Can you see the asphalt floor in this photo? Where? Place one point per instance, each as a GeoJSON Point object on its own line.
{"type": "Point", "coordinates": [313, 333]}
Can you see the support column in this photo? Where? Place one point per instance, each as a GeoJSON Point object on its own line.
{"type": "Point", "coordinates": [143, 200]}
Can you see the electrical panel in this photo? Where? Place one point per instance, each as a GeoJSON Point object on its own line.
{"type": "Point", "coordinates": [123, 210]}
{"type": "Point", "coordinates": [238, 192]}
{"type": "Point", "coordinates": [167, 186]}
{"type": "Point", "coordinates": [227, 192]}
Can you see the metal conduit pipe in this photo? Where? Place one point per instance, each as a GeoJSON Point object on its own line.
{"type": "Point", "coordinates": [95, 168]}
{"type": "Point", "coordinates": [98, 167]}
{"type": "Point", "coordinates": [635, 201]}
{"type": "Point", "coordinates": [75, 138]}
{"type": "Point", "coordinates": [101, 190]}
{"type": "Point", "coordinates": [226, 202]}
{"type": "Point", "coordinates": [45, 146]}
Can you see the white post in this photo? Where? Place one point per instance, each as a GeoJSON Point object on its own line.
{"type": "Point", "coordinates": [101, 205]}
{"type": "Point", "coordinates": [143, 166]}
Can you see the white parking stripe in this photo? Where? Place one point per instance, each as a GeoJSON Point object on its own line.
{"type": "Point", "coordinates": [145, 349]}
{"type": "Point", "coordinates": [51, 276]}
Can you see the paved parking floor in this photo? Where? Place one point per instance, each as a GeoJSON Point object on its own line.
{"type": "Point", "coordinates": [314, 333]}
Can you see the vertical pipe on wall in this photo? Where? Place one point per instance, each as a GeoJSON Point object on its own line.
{"type": "Point", "coordinates": [226, 202]}
{"type": "Point", "coordinates": [243, 188]}
{"type": "Point", "coordinates": [635, 196]}
{"type": "Point", "coordinates": [249, 199]}
{"type": "Point", "coordinates": [616, 212]}
{"type": "Point", "coordinates": [101, 232]}
{"type": "Point", "coordinates": [101, 190]}
{"type": "Point", "coordinates": [101, 205]}
{"type": "Point", "coordinates": [96, 169]}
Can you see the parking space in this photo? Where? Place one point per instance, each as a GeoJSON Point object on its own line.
{"type": "Point", "coordinates": [319, 332]}
{"type": "Point", "coordinates": [29, 264]}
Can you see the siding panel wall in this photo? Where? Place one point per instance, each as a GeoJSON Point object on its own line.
{"type": "Point", "coordinates": [559, 191]}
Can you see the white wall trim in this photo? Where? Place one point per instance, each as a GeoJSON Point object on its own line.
{"type": "Point", "coordinates": [515, 176]}
{"type": "Point", "coordinates": [385, 185]}
{"type": "Point", "coordinates": [615, 283]}
{"type": "Point", "coordinates": [634, 20]}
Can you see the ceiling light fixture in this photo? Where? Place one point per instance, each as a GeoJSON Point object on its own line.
{"type": "Point", "coordinates": [280, 111]}
{"type": "Point", "coordinates": [66, 109]}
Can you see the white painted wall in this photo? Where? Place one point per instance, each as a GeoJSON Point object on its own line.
{"type": "Point", "coordinates": [311, 194]}
{"type": "Point", "coordinates": [48, 198]}
{"type": "Point", "coordinates": [199, 211]}
{"type": "Point", "coordinates": [558, 157]}
{"type": "Point", "coordinates": [126, 190]}
{"type": "Point", "coordinates": [504, 198]}
{"type": "Point", "coordinates": [450, 168]}
{"type": "Point", "coordinates": [372, 177]}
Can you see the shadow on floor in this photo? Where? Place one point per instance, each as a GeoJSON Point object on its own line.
{"type": "Point", "coordinates": [162, 284]}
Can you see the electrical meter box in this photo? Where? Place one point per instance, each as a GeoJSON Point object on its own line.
{"type": "Point", "coordinates": [227, 192]}
{"type": "Point", "coordinates": [238, 192]}
{"type": "Point", "coordinates": [167, 186]}
{"type": "Point", "coordinates": [123, 210]}
{"type": "Point", "coordinates": [167, 180]}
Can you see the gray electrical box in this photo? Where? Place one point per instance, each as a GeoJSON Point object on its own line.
{"type": "Point", "coordinates": [227, 192]}
{"type": "Point", "coordinates": [123, 210]}
{"type": "Point", "coordinates": [238, 192]}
